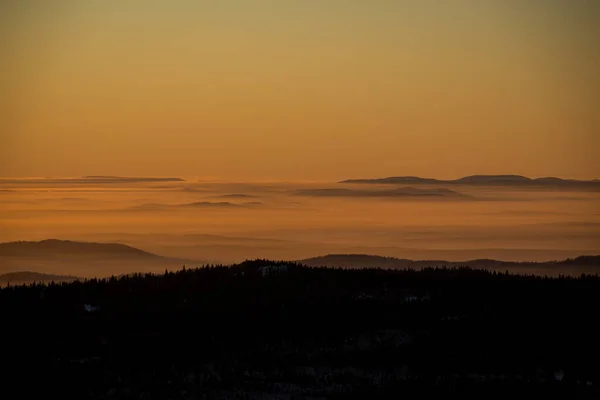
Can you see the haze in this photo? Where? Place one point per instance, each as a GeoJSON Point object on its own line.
{"type": "Point", "coordinates": [261, 107]}
{"type": "Point", "coordinates": [230, 222]}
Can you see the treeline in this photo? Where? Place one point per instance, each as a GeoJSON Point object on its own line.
{"type": "Point", "coordinates": [245, 321]}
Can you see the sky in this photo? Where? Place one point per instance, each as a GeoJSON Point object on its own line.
{"type": "Point", "coordinates": [291, 89]}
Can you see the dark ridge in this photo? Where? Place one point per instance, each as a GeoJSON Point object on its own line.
{"type": "Point", "coordinates": [500, 180]}
{"type": "Point", "coordinates": [551, 179]}
{"type": "Point", "coordinates": [356, 260]}
{"type": "Point", "coordinates": [29, 276]}
{"type": "Point", "coordinates": [591, 264]}
{"type": "Point", "coordinates": [490, 179]}
{"type": "Point", "coordinates": [582, 260]}
{"type": "Point", "coordinates": [67, 247]}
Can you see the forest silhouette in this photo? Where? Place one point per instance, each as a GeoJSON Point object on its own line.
{"type": "Point", "coordinates": [265, 328]}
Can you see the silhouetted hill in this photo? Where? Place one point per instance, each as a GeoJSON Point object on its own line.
{"type": "Point", "coordinates": [495, 179]}
{"type": "Point", "coordinates": [83, 258]}
{"type": "Point", "coordinates": [356, 261]}
{"type": "Point", "coordinates": [28, 276]}
{"type": "Point", "coordinates": [53, 247]}
{"type": "Point", "coordinates": [582, 260]}
{"type": "Point", "coordinates": [576, 266]}
{"type": "Point", "coordinates": [486, 180]}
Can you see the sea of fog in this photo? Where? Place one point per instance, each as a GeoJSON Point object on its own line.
{"type": "Point", "coordinates": [229, 222]}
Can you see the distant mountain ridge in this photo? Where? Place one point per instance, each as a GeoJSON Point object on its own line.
{"type": "Point", "coordinates": [583, 264]}
{"type": "Point", "coordinates": [29, 276]}
{"type": "Point", "coordinates": [588, 264]}
{"type": "Point", "coordinates": [65, 247]}
{"type": "Point", "coordinates": [500, 180]}
{"type": "Point", "coordinates": [83, 259]}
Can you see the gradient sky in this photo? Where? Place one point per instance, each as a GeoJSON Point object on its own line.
{"type": "Point", "coordinates": [299, 89]}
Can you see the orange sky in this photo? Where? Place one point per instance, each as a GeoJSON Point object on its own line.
{"type": "Point", "coordinates": [299, 89]}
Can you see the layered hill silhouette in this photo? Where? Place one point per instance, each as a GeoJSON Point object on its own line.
{"type": "Point", "coordinates": [85, 259]}
{"type": "Point", "coordinates": [572, 266]}
{"type": "Point", "coordinates": [55, 247]}
{"type": "Point", "coordinates": [26, 261]}
{"type": "Point", "coordinates": [28, 276]}
{"type": "Point", "coordinates": [486, 180]}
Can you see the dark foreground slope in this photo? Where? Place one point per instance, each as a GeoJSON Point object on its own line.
{"type": "Point", "coordinates": [232, 333]}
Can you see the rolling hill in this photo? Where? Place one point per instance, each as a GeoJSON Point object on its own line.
{"type": "Point", "coordinates": [85, 259]}
{"type": "Point", "coordinates": [486, 180]}
{"type": "Point", "coordinates": [25, 261]}
{"type": "Point", "coordinates": [572, 267]}
{"type": "Point", "coordinates": [55, 247]}
{"type": "Point", "coordinates": [16, 278]}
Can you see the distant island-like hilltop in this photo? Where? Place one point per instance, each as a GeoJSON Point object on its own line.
{"type": "Point", "coordinates": [496, 180]}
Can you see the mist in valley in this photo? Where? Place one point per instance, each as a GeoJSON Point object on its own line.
{"type": "Point", "coordinates": [188, 221]}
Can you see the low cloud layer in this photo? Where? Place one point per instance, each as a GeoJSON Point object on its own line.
{"type": "Point", "coordinates": [406, 192]}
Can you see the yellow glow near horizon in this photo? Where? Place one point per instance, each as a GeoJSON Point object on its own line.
{"type": "Point", "coordinates": [299, 90]}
